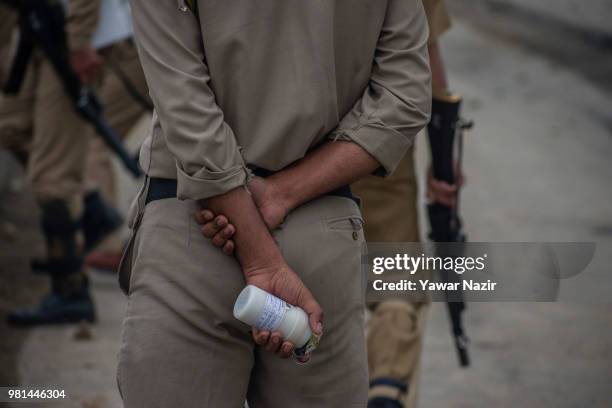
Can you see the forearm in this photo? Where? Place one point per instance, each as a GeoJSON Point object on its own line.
{"type": "Point", "coordinates": [255, 247]}
{"type": "Point", "coordinates": [325, 169]}
{"type": "Point", "coordinates": [439, 83]}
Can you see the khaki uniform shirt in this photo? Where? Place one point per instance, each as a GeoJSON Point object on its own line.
{"type": "Point", "coordinates": [260, 83]}
{"type": "Point", "coordinates": [437, 18]}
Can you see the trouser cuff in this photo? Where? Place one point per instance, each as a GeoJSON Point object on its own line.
{"type": "Point", "coordinates": [388, 388]}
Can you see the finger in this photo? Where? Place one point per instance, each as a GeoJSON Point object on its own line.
{"type": "Point", "coordinates": [211, 228]}
{"type": "Point", "coordinates": [204, 216]}
{"type": "Point", "coordinates": [315, 314]}
{"type": "Point", "coordinates": [275, 342]}
{"type": "Point", "coordinates": [445, 199]}
{"type": "Point", "coordinates": [219, 239]}
{"type": "Point", "coordinates": [260, 337]}
{"type": "Point", "coordinates": [221, 221]}
{"type": "Point", "coordinates": [228, 248]}
{"type": "Point", "coordinates": [285, 350]}
{"type": "Point", "coordinates": [229, 231]}
{"type": "Point", "coordinates": [443, 187]}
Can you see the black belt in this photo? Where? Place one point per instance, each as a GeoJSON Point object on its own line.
{"type": "Point", "coordinates": [161, 188]}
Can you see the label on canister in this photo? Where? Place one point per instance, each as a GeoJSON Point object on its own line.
{"type": "Point", "coordinates": [272, 314]}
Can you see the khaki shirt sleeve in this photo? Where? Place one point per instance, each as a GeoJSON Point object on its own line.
{"type": "Point", "coordinates": [207, 155]}
{"type": "Point", "coordinates": [437, 18]}
{"type": "Point", "coordinates": [81, 22]}
{"type": "Point", "coordinates": [396, 104]}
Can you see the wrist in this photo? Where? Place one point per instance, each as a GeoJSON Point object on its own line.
{"type": "Point", "coordinates": [263, 268]}
{"type": "Point", "coordinates": [281, 192]}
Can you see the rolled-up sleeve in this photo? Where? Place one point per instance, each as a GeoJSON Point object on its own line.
{"type": "Point", "coordinates": [396, 104]}
{"type": "Point", "coordinates": [208, 158]}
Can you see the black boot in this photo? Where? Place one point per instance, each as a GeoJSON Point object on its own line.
{"type": "Point", "coordinates": [392, 387]}
{"type": "Point", "coordinates": [69, 300]}
{"type": "Point", "coordinates": [384, 402]}
{"type": "Point", "coordinates": [62, 305]}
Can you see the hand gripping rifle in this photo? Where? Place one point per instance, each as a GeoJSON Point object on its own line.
{"type": "Point", "coordinates": [445, 138]}
{"type": "Point", "coordinates": [41, 25]}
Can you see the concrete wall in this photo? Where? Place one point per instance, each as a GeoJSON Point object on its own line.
{"type": "Point", "coordinates": [589, 14]}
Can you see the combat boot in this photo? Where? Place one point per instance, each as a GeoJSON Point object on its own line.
{"type": "Point", "coordinates": [386, 393]}
{"type": "Point", "coordinates": [384, 402]}
{"type": "Point", "coordinates": [69, 300]}
{"type": "Point", "coordinates": [70, 305]}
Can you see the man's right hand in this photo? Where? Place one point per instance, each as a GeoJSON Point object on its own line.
{"type": "Point", "coordinates": [282, 281]}
{"type": "Point", "coordinates": [86, 63]}
{"type": "Point", "coordinates": [261, 260]}
{"type": "Point", "coordinates": [441, 192]}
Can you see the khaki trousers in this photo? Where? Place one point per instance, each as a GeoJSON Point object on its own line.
{"type": "Point", "coordinates": [181, 346]}
{"type": "Point", "coordinates": [395, 329]}
{"type": "Point", "coordinates": [41, 123]}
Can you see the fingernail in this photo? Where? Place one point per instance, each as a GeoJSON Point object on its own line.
{"type": "Point", "coordinates": [319, 329]}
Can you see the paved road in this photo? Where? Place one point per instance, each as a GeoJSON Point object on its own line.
{"type": "Point", "coordinates": [538, 168]}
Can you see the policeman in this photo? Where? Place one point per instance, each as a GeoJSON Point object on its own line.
{"type": "Point", "coordinates": [43, 114]}
{"type": "Point", "coordinates": [40, 124]}
{"type": "Point", "coordinates": [264, 113]}
{"type": "Point", "coordinates": [396, 328]}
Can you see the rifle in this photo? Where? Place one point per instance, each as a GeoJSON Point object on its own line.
{"type": "Point", "coordinates": [41, 25]}
{"type": "Point", "coordinates": [445, 136]}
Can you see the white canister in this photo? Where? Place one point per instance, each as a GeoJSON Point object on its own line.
{"type": "Point", "coordinates": [264, 311]}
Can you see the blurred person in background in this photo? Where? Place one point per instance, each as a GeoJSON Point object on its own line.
{"type": "Point", "coordinates": [390, 210]}
{"type": "Point", "coordinates": [41, 126]}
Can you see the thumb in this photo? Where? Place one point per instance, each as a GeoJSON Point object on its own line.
{"type": "Point", "coordinates": [315, 314]}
